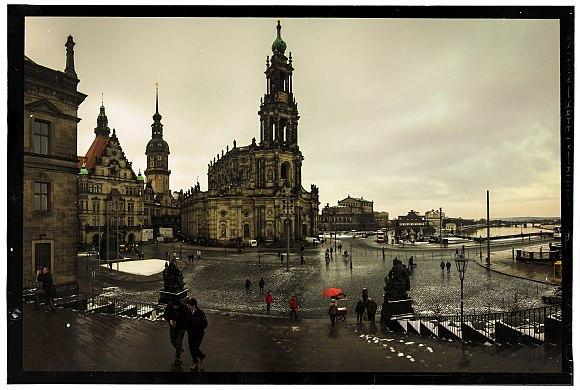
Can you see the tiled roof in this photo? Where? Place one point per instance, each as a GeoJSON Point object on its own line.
{"type": "Point", "coordinates": [94, 152]}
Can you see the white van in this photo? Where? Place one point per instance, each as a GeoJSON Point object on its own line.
{"type": "Point", "coordinates": [312, 240]}
{"type": "Point", "coordinates": [252, 243]}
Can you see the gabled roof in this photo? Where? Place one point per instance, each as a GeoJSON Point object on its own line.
{"type": "Point", "coordinates": [45, 105]}
{"type": "Point", "coordinates": [94, 152]}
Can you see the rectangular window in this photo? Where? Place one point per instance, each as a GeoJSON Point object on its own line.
{"type": "Point", "coordinates": [40, 137]}
{"type": "Point", "coordinates": [42, 255]}
{"type": "Point", "coordinates": [130, 207]}
{"type": "Point", "coordinates": [41, 196]}
{"type": "Point", "coordinates": [130, 221]}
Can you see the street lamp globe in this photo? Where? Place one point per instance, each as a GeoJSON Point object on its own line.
{"type": "Point", "coordinates": [461, 263]}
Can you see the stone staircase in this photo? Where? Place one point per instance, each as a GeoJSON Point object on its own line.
{"type": "Point", "coordinates": [532, 326]}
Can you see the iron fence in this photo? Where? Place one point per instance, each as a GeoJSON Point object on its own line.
{"type": "Point", "coordinates": [529, 322]}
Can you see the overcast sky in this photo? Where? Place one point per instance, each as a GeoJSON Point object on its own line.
{"type": "Point", "coordinates": [413, 114]}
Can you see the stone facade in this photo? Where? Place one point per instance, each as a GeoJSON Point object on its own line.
{"type": "Point", "coordinates": [111, 196]}
{"type": "Point", "coordinates": [432, 218]}
{"type": "Point", "coordinates": [413, 227]}
{"type": "Point", "coordinates": [350, 214]}
{"type": "Point", "coordinates": [50, 218]}
{"type": "Point", "coordinates": [255, 191]}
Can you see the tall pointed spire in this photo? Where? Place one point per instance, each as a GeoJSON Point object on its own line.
{"type": "Point", "coordinates": [157, 98]}
{"type": "Point", "coordinates": [157, 127]}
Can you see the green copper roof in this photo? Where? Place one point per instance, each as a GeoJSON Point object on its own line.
{"type": "Point", "coordinates": [140, 177]}
{"type": "Point", "coordinates": [83, 170]}
{"type": "Point", "coordinates": [279, 46]}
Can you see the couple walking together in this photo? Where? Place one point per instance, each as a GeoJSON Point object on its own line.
{"type": "Point", "coordinates": [188, 318]}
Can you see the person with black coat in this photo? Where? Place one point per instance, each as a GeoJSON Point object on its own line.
{"type": "Point", "coordinates": [261, 284]}
{"type": "Point", "coordinates": [360, 309]}
{"type": "Point", "coordinates": [372, 309]}
{"type": "Point", "coordinates": [248, 286]}
{"type": "Point", "coordinates": [196, 323]}
{"type": "Point", "coordinates": [176, 314]}
{"type": "Point", "coordinates": [45, 278]}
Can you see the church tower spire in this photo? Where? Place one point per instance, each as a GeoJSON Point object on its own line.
{"type": "Point", "coordinates": [157, 152]}
{"type": "Point", "coordinates": [278, 110]}
{"type": "Point", "coordinates": [102, 128]}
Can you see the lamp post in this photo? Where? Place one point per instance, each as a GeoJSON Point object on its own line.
{"type": "Point", "coordinates": [461, 263]}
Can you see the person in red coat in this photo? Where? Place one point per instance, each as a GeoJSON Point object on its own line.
{"type": "Point", "coordinates": [269, 299]}
{"type": "Point", "coordinates": [293, 308]}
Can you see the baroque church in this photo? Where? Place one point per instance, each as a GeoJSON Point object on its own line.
{"type": "Point", "coordinates": [255, 191]}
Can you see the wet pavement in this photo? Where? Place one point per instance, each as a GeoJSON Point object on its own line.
{"type": "Point", "coordinates": [217, 281]}
{"type": "Point", "coordinates": [70, 341]}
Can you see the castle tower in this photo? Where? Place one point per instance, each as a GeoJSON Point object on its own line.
{"type": "Point", "coordinates": [157, 153]}
{"type": "Point", "coordinates": [278, 110]}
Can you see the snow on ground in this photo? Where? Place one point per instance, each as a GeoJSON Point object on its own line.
{"type": "Point", "coordinates": [140, 267]}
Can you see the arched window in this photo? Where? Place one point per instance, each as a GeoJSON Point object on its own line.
{"type": "Point", "coordinates": [285, 170]}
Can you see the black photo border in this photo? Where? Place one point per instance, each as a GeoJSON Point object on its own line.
{"type": "Point", "coordinates": [15, 46]}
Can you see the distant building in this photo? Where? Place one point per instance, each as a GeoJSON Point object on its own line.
{"type": "Point", "coordinates": [111, 197]}
{"type": "Point", "coordinates": [255, 191]}
{"type": "Point", "coordinates": [349, 214]}
{"type": "Point", "coordinates": [435, 220]}
{"type": "Point", "coordinates": [381, 219]}
{"type": "Point", "coordinates": [50, 214]}
{"type": "Point", "coordinates": [413, 227]}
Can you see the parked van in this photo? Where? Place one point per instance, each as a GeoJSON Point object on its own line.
{"type": "Point", "coordinates": [312, 240]}
{"type": "Point", "coordinates": [252, 243]}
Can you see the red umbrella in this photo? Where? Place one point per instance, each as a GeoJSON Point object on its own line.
{"type": "Point", "coordinates": [331, 292]}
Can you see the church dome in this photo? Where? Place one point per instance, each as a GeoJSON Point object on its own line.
{"type": "Point", "coordinates": [157, 145]}
{"type": "Point", "coordinates": [83, 170]}
{"type": "Point", "coordinates": [278, 46]}
{"type": "Point", "coordinates": [140, 177]}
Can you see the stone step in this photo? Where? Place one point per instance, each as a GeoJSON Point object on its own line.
{"type": "Point", "coordinates": [429, 329]}
{"type": "Point", "coordinates": [470, 333]}
{"type": "Point", "coordinates": [449, 331]}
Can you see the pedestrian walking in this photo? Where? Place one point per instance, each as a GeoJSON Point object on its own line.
{"type": "Point", "coordinates": [448, 265]}
{"type": "Point", "coordinates": [261, 283]}
{"type": "Point", "coordinates": [331, 250]}
{"type": "Point", "coordinates": [365, 295]}
{"type": "Point", "coordinates": [269, 299]}
{"type": "Point", "coordinates": [196, 323]}
{"type": "Point", "coordinates": [442, 265]}
{"type": "Point", "coordinates": [44, 276]}
{"type": "Point", "coordinates": [384, 253]}
{"type": "Point", "coordinates": [176, 314]}
{"type": "Point", "coordinates": [248, 286]}
{"type": "Point", "coordinates": [411, 263]}
{"type": "Point", "coordinates": [359, 309]}
{"type": "Point", "coordinates": [372, 310]}
{"type": "Point", "coordinates": [339, 247]}
{"type": "Point", "coordinates": [333, 312]}
{"type": "Point", "coordinates": [293, 308]}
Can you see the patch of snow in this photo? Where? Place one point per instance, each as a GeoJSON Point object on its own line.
{"type": "Point", "coordinates": [139, 267]}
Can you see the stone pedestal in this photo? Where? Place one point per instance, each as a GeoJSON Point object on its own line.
{"type": "Point", "coordinates": [394, 308]}
{"type": "Point", "coordinates": [167, 296]}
